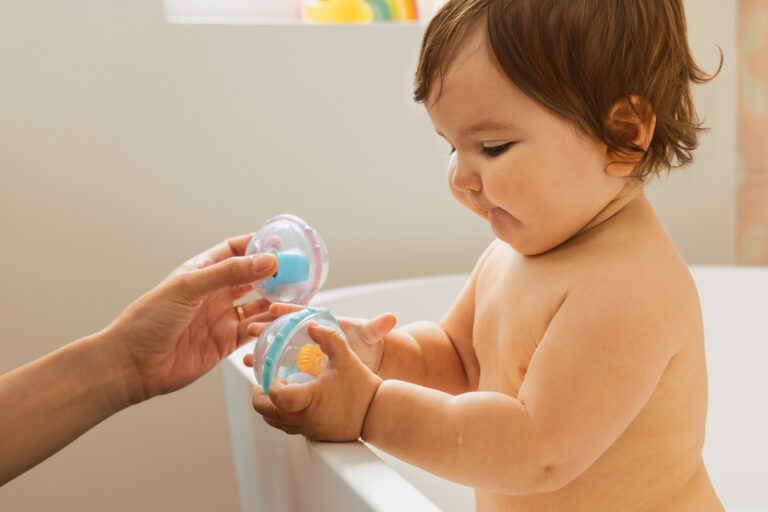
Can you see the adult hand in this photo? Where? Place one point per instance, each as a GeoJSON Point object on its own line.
{"type": "Point", "coordinates": [163, 341]}
{"type": "Point", "coordinates": [181, 329]}
{"type": "Point", "coordinates": [364, 336]}
{"type": "Point", "coordinates": [331, 408]}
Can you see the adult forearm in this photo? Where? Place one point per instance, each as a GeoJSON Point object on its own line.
{"type": "Point", "coordinates": [480, 439]}
{"type": "Point", "coordinates": [423, 353]}
{"type": "Point", "coordinates": [50, 402]}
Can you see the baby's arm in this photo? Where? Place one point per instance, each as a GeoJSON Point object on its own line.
{"type": "Point", "coordinates": [437, 355]}
{"type": "Point", "coordinates": [596, 366]}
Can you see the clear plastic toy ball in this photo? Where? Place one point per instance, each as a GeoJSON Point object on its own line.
{"type": "Point", "coordinates": [302, 259]}
{"type": "Point", "coordinates": [285, 352]}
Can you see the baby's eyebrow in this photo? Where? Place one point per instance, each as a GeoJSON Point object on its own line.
{"type": "Point", "coordinates": [483, 126]}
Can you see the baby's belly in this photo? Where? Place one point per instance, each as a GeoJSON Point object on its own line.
{"type": "Point", "coordinates": [625, 478]}
{"type": "Point", "coordinates": [621, 493]}
{"type": "Point", "coordinates": [655, 465]}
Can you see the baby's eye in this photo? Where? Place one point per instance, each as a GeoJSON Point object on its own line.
{"type": "Point", "coordinates": [496, 150]}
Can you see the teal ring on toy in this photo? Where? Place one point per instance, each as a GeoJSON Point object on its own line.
{"type": "Point", "coordinates": [285, 333]}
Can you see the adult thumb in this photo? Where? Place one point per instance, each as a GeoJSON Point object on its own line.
{"type": "Point", "coordinates": [228, 273]}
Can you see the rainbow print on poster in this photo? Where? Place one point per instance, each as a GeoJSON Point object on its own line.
{"type": "Point", "coordinates": [359, 11]}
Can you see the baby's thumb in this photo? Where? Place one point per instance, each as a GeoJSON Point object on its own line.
{"type": "Point", "coordinates": [377, 328]}
{"type": "Point", "coordinates": [331, 341]}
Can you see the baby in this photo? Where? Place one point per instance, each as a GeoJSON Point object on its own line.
{"type": "Point", "coordinates": [569, 374]}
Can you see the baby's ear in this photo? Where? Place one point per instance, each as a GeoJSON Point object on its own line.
{"type": "Point", "coordinates": [633, 121]}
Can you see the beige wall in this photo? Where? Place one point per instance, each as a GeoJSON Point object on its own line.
{"type": "Point", "coordinates": [752, 191]}
{"type": "Point", "coordinates": [128, 144]}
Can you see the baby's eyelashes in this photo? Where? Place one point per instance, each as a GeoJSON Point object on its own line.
{"type": "Point", "coordinates": [490, 150]}
{"type": "Point", "coordinates": [496, 150]}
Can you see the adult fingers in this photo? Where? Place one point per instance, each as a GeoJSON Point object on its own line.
{"type": "Point", "coordinates": [238, 244]}
{"type": "Point", "coordinates": [256, 311]}
{"type": "Point", "coordinates": [238, 292]}
{"type": "Point", "coordinates": [264, 317]}
{"type": "Point", "coordinates": [234, 246]}
{"type": "Point", "coordinates": [248, 360]}
{"type": "Point", "coordinates": [229, 273]}
{"type": "Point", "coordinates": [255, 329]}
{"type": "Point", "coordinates": [243, 335]}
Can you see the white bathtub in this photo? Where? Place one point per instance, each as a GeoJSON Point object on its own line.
{"type": "Point", "coordinates": [278, 472]}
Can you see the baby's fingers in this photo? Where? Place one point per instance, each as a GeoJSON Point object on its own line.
{"type": "Point", "coordinates": [290, 399]}
{"type": "Point", "coordinates": [288, 429]}
{"type": "Point", "coordinates": [272, 415]}
{"type": "Point", "coordinates": [263, 405]}
{"type": "Point", "coordinates": [282, 308]}
{"type": "Point", "coordinates": [248, 360]}
{"type": "Point", "coordinates": [372, 331]}
{"type": "Point", "coordinates": [331, 342]}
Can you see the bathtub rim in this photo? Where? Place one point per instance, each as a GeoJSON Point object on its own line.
{"type": "Point", "coordinates": [354, 462]}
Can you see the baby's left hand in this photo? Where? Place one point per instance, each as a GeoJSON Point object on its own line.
{"type": "Point", "coordinates": [331, 408]}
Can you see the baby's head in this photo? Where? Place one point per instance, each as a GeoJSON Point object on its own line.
{"type": "Point", "coordinates": [590, 97]}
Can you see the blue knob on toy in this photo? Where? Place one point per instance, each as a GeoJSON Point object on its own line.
{"type": "Point", "coordinates": [301, 255]}
{"type": "Point", "coordinates": [291, 269]}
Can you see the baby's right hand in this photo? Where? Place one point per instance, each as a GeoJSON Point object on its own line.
{"type": "Point", "coordinates": [364, 336]}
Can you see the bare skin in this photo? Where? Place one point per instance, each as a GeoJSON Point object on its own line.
{"type": "Point", "coordinates": [163, 341]}
{"type": "Point", "coordinates": [569, 373]}
{"type": "Point", "coordinates": [655, 463]}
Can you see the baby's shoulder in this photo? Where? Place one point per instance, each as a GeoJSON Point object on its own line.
{"type": "Point", "coordinates": [637, 272]}
{"type": "Point", "coordinates": [654, 270]}
{"type": "Point", "coordinates": [645, 289]}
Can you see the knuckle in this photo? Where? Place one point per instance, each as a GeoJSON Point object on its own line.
{"type": "Point", "coordinates": [184, 285]}
{"type": "Point", "coordinates": [287, 402]}
{"type": "Point", "coordinates": [231, 269]}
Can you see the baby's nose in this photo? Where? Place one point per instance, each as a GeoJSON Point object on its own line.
{"type": "Point", "coordinates": [463, 178]}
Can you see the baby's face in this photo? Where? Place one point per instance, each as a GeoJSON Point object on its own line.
{"type": "Point", "coordinates": [530, 173]}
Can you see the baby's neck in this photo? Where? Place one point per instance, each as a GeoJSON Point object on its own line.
{"type": "Point", "coordinates": [631, 197]}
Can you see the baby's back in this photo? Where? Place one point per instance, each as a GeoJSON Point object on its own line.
{"type": "Point", "coordinates": [655, 463]}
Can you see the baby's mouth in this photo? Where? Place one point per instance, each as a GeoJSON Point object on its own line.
{"type": "Point", "coordinates": [499, 214]}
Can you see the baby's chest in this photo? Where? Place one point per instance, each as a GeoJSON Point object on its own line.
{"type": "Point", "coordinates": [511, 317]}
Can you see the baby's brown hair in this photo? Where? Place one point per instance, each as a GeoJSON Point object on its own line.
{"type": "Point", "coordinates": [578, 58]}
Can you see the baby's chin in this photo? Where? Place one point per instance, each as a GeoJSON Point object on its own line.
{"type": "Point", "coordinates": [521, 237]}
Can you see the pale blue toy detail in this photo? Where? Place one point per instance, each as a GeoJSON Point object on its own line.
{"type": "Point", "coordinates": [292, 268]}
{"type": "Point", "coordinates": [279, 341]}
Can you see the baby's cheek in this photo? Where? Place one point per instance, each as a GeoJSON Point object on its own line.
{"type": "Point", "coordinates": [509, 190]}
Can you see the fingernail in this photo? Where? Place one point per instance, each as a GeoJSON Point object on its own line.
{"type": "Point", "coordinates": [262, 262]}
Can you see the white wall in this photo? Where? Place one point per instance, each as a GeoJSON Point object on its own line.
{"type": "Point", "coordinates": [128, 145]}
